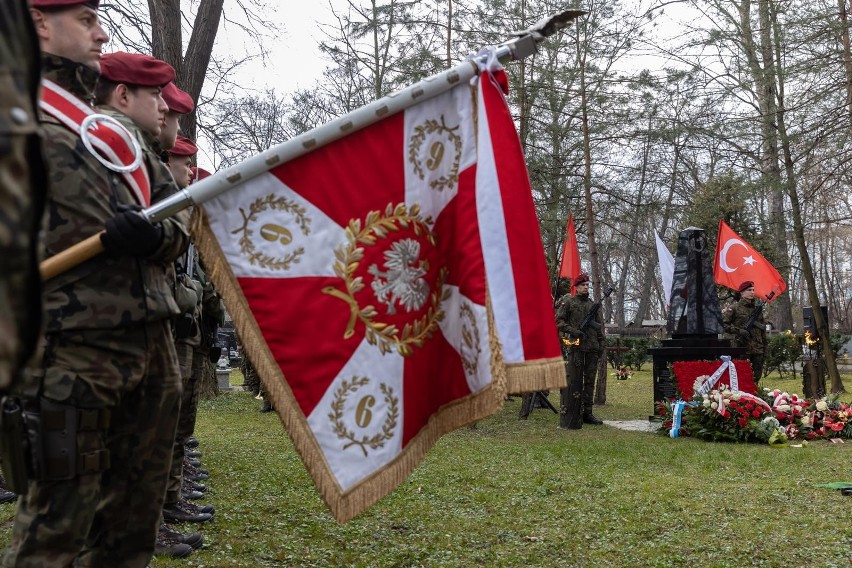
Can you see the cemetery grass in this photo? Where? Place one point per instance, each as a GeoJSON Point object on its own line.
{"type": "Point", "coordinates": [524, 493]}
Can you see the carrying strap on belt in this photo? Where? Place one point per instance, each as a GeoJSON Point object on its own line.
{"type": "Point", "coordinates": [106, 138]}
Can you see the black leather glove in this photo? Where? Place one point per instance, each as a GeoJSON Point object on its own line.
{"type": "Point", "coordinates": [130, 233]}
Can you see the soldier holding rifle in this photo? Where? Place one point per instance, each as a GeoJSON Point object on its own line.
{"type": "Point", "coordinates": [746, 323]}
{"type": "Point", "coordinates": [585, 345]}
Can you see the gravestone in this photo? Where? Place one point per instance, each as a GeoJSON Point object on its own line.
{"type": "Point", "coordinates": [695, 318]}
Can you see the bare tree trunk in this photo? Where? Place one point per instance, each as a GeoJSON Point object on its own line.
{"type": "Point", "coordinates": [166, 38]}
{"type": "Point", "coordinates": [798, 225]}
{"type": "Point", "coordinates": [847, 52]}
{"type": "Point", "coordinates": [762, 70]}
{"type": "Point", "coordinates": [600, 386]}
{"type": "Point", "coordinates": [198, 54]}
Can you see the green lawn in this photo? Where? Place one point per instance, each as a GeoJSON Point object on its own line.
{"type": "Point", "coordinates": [524, 493]}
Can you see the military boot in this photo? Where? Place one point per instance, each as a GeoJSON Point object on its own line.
{"type": "Point", "coordinates": [191, 485]}
{"type": "Point", "coordinates": [194, 462]}
{"type": "Point", "coordinates": [195, 540]}
{"type": "Point", "coordinates": [182, 512]}
{"type": "Point", "coordinates": [192, 453]}
{"type": "Point", "coordinates": [168, 545]}
{"type": "Point", "coordinates": [191, 495]}
{"type": "Point", "coordinates": [589, 418]}
{"type": "Point", "coordinates": [267, 406]}
{"type": "Point", "coordinates": [192, 442]}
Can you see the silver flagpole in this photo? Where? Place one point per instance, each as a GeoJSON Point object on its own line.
{"type": "Point", "coordinates": [522, 46]}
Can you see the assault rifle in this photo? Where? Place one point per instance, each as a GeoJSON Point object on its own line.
{"type": "Point", "coordinates": [596, 307]}
{"type": "Point", "coordinates": [758, 309]}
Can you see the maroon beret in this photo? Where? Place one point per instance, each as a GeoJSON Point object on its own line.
{"type": "Point", "coordinates": [581, 278]}
{"type": "Point", "coordinates": [183, 147]}
{"type": "Point", "coordinates": [745, 286]}
{"type": "Point", "coordinates": [178, 101]}
{"type": "Point", "coordinates": [199, 173]}
{"type": "Point", "coordinates": [93, 4]}
{"type": "Point", "coordinates": [136, 69]}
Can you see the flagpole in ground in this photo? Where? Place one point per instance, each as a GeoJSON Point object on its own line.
{"type": "Point", "coordinates": [521, 47]}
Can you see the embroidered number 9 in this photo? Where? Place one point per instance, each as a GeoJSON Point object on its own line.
{"type": "Point", "coordinates": [437, 155]}
{"type": "Point", "coordinates": [272, 233]}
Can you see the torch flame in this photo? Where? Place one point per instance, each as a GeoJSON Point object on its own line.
{"type": "Point", "coordinates": [567, 341]}
{"type": "Point", "coordinates": [808, 339]}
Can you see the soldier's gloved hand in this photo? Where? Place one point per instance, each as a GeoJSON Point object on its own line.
{"type": "Point", "coordinates": [130, 233]}
{"type": "Point", "coordinates": [743, 334]}
{"type": "Point", "coordinates": [595, 325]}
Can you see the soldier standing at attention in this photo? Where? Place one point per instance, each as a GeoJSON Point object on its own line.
{"type": "Point", "coordinates": [754, 340]}
{"type": "Point", "coordinates": [583, 357]}
{"type": "Point", "coordinates": [108, 385]}
{"type": "Point", "coordinates": [21, 196]}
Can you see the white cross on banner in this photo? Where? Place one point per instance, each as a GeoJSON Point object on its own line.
{"type": "Point", "coordinates": [377, 283]}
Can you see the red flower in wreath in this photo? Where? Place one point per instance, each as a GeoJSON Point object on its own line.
{"type": "Point", "coordinates": [686, 372]}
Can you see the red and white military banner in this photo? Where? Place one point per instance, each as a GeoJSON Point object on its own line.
{"type": "Point", "coordinates": [357, 281]}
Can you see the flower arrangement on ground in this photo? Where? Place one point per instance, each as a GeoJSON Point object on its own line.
{"type": "Point", "coordinates": [774, 417]}
{"type": "Point", "coordinates": [623, 373]}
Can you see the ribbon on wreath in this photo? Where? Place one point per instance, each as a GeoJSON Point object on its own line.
{"type": "Point", "coordinates": [710, 382]}
{"type": "Point", "coordinates": [677, 416]}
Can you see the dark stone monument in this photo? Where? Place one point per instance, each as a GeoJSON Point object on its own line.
{"type": "Point", "coordinates": [695, 319]}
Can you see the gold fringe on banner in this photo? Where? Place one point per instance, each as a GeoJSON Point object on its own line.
{"type": "Point", "coordinates": [541, 374]}
{"type": "Point", "coordinates": [343, 505]}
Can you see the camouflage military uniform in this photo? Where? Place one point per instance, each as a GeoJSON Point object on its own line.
{"type": "Point", "coordinates": [109, 360]}
{"type": "Point", "coordinates": [754, 342]}
{"type": "Point", "coordinates": [21, 190]}
{"type": "Point", "coordinates": [583, 358]}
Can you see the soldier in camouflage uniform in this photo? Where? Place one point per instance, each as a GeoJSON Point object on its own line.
{"type": "Point", "coordinates": [753, 340]}
{"type": "Point", "coordinates": [21, 196]}
{"type": "Point", "coordinates": [21, 190]}
{"type": "Point", "coordinates": [109, 376]}
{"type": "Point", "coordinates": [583, 358]}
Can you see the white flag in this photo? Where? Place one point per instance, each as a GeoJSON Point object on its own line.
{"type": "Point", "coordinates": [666, 267]}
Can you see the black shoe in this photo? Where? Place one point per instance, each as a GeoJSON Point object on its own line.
{"type": "Point", "coordinates": [846, 491]}
{"type": "Point", "coordinates": [192, 453]}
{"type": "Point", "coordinates": [267, 406]}
{"type": "Point", "coordinates": [191, 495]}
{"type": "Point", "coordinates": [590, 419]}
{"type": "Point", "coordinates": [193, 462]}
{"type": "Point", "coordinates": [180, 513]}
{"type": "Point", "coordinates": [195, 508]}
{"type": "Point", "coordinates": [194, 475]}
{"type": "Point", "coordinates": [7, 496]}
{"type": "Point", "coordinates": [192, 442]}
{"type": "Point", "coordinates": [191, 485]}
{"type": "Point", "coordinates": [168, 545]}
{"type": "Point", "coordinates": [195, 540]}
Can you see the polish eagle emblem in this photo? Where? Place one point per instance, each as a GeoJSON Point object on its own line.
{"type": "Point", "coordinates": [402, 282]}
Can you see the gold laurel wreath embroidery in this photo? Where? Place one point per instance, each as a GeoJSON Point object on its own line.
{"type": "Point", "coordinates": [430, 127]}
{"type": "Point", "coordinates": [276, 204]}
{"type": "Point", "coordinates": [386, 336]}
{"type": "Point", "coordinates": [336, 417]}
{"type": "Point", "coordinates": [470, 339]}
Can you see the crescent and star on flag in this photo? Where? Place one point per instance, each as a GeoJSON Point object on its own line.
{"type": "Point", "coordinates": [723, 256]}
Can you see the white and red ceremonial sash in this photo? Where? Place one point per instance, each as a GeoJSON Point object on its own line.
{"type": "Point", "coordinates": [356, 278]}
{"type": "Point", "coordinates": [110, 139]}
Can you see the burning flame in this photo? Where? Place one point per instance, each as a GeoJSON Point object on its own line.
{"type": "Point", "coordinates": [808, 339]}
{"type": "Point", "coordinates": [567, 341]}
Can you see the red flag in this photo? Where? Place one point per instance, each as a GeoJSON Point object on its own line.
{"type": "Point", "coordinates": [570, 265]}
{"type": "Point", "coordinates": [361, 278]}
{"type": "Point", "coordinates": [737, 262]}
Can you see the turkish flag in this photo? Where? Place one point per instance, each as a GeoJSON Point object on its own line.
{"type": "Point", "coordinates": [570, 265]}
{"type": "Point", "coordinates": [737, 262]}
{"type": "Point", "coordinates": [383, 284]}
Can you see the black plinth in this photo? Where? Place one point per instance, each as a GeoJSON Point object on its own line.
{"type": "Point", "coordinates": [686, 347]}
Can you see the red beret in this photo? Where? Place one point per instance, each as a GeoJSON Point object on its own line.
{"type": "Point", "coordinates": [93, 4]}
{"type": "Point", "coordinates": [583, 277]}
{"type": "Point", "coordinates": [178, 101]}
{"type": "Point", "coordinates": [183, 147]}
{"type": "Point", "coordinates": [745, 286]}
{"type": "Point", "coordinates": [136, 69]}
{"type": "Point", "coordinates": [199, 173]}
